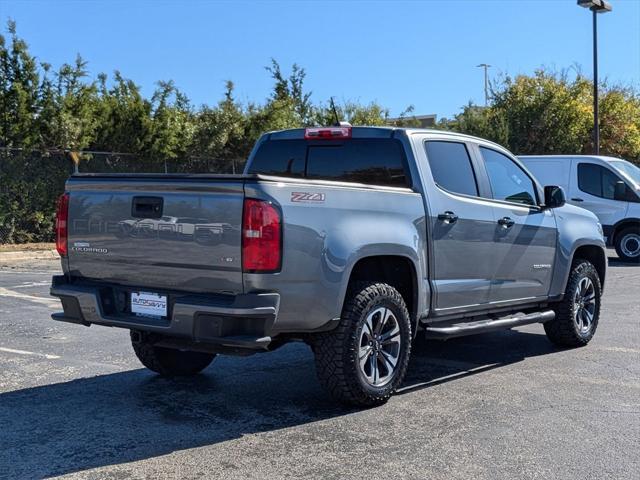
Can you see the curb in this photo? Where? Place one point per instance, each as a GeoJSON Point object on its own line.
{"type": "Point", "coordinates": [28, 255]}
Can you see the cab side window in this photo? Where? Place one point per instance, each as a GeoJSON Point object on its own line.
{"type": "Point", "coordinates": [508, 181]}
{"type": "Point", "coordinates": [597, 180]}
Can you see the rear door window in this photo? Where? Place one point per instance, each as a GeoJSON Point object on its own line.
{"type": "Point", "coordinates": [451, 167]}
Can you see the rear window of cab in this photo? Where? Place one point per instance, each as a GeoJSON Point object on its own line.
{"type": "Point", "coordinates": [373, 161]}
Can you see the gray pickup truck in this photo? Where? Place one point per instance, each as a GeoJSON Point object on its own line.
{"type": "Point", "coordinates": [349, 239]}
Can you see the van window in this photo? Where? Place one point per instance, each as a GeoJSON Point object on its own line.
{"type": "Point", "coordinates": [508, 181]}
{"type": "Point", "coordinates": [451, 167]}
{"type": "Point", "coordinates": [597, 180]}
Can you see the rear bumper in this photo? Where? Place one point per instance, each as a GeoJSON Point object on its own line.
{"type": "Point", "coordinates": [231, 324]}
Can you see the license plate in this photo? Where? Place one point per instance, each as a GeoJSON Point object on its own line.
{"type": "Point", "coordinates": [148, 304]}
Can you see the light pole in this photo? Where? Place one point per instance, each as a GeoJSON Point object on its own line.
{"type": "Point", "coordinates": [486, 82]}
{"type": "Point", "coordinates": [596, 7]}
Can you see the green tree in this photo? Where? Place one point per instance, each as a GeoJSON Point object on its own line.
{"type": "Point", "coordinates": [550, 113]}
{"type": "Point", "coordinates": [219, 133]}
{"type": "Point", "coordinates": [407, 119]}
{"type": "Point", "coordinates": [19, 81]}
{"type": "Point", "coordinates": [76, 122]}
{"type": "Point", "coordinates": [480, 122]}
{"type": "Point", "coordinates": [172, 127]}
{"type": "Point", "coordinates": [620, 123]}
{"type": "Point", "coordinates": [544, 113]}
{"type": "Point", "coordinates": [289, 96]}
{"type": "Point", "coordinates": [356, 114]}
{"type": "Point", "coordinates": [123, 117]}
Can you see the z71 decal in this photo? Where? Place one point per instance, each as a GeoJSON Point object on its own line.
{"type": "Point", "coordinates": [307, 197]}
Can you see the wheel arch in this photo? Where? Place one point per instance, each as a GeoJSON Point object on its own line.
{"type": "Point", "coordinates": [398, 270]}
{"type": "Point", "coordinates": [596, 256]}
{"type": "Point", "coordinates": [621, 225]}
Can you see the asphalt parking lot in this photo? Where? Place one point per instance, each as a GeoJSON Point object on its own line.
{"type": "Point", "coordinates": [74, 401]}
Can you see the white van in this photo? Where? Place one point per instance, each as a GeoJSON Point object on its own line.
{"type": "Point", "coordinates": [607, 186]}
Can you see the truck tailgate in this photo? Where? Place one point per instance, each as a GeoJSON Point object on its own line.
{"type": "Point", "coordinates": [157, 232]}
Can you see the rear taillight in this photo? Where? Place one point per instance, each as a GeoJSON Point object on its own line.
{"type": "Point", "coordinates": [261, 237]}
{"type": "Point", "coordinates": [62, 218]}
{"type": "Point", "coordinates": [327, 133]}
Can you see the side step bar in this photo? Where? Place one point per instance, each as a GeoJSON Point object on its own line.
{"type": "Point", "coordinates": [487, 325]}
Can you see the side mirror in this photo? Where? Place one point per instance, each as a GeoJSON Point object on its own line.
{"type": "Point", "coordinates": [554, 197]}
{"type": "Point", "coordinates": [620, 192]}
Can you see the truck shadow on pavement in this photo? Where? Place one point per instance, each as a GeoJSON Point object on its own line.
{"type": "Point", "coordinates": [134, 415]}
{"type": "Point", "coordinates": [616, 262]}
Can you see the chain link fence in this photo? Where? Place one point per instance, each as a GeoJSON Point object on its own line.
{"type": "Point", "coordinates": [102, 162]}
{"type": "Point", "coordinates": [30, 183]}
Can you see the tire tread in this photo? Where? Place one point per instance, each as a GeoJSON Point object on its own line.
{"type": "Point", "coordinates": [334, 351]}
{"type": "Point", "coordinates": [561, 331]}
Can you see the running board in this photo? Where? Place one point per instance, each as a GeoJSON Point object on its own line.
{"type": "Point", "coordinates": [487, 325]}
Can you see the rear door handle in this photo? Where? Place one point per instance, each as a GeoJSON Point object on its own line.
{"type": "Point", "coordinates": [577, 199]}
{"type": "Point", "coordinates": [506, 222]}
{"type": "Point", "coordinates": [448, 217]}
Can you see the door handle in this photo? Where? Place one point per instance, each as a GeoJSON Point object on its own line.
{"type": "Point", "coordinates": [577, 199]}
{"type": "Point", "coordinates": [506, 222]}
{"type": "Point", "coordinates": [448, 217]}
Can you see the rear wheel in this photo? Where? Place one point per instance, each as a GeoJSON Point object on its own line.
{"type": "Point", "coordinates": [578, 314]}
{"type": "Point", "coordinates": [627, 244]}
{"type": "Point", "coordinates": [169, 362]}
{"type": "Point", "coordinates": [365, 358]}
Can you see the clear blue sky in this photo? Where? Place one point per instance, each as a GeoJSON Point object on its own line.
{"type": "Point", "coordinates": [397, 53]}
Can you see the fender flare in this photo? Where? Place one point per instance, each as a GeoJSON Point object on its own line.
{"type": "Point", "coordinates": [421, 293]}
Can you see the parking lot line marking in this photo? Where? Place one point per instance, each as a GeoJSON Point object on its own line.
{"type": "Point", "coordinates": [24, 352]}
{"type": "Point", "coordinates": [619, 349]}
{"type": "Point", "coordinates": [31, 284]}
{"type": "Point", "coordinates": [30, 272]}
{"type": "Point", "coordinates": [5, 292]}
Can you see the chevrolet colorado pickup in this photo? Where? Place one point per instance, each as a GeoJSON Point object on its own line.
{"type": "Point", "coordinates": [351, 239]}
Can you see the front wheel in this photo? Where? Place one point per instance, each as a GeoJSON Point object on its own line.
{"type": "Point", "coordinates": [364, 359]}
{"type": "Point", "coordinates": [627, 244]}
{"type": "Point", "coordinates": [169, 362]}
{"type": "Point", "coordinates": [578, 313]}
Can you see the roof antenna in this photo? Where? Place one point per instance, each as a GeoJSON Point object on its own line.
{"type": "Point", "coordinates": [335, 113]}
{"type": "Point", "coordinates": [337, 122]}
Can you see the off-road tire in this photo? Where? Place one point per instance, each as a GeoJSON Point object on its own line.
{"type": "Point", "coordinates": [169, 362]}
{"type": "Point", "coordinates": [336, 352]}
{"type": "Point", "coordinates": [624, 236]}
{"type": "Point", "coordinates": [562, 330]}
